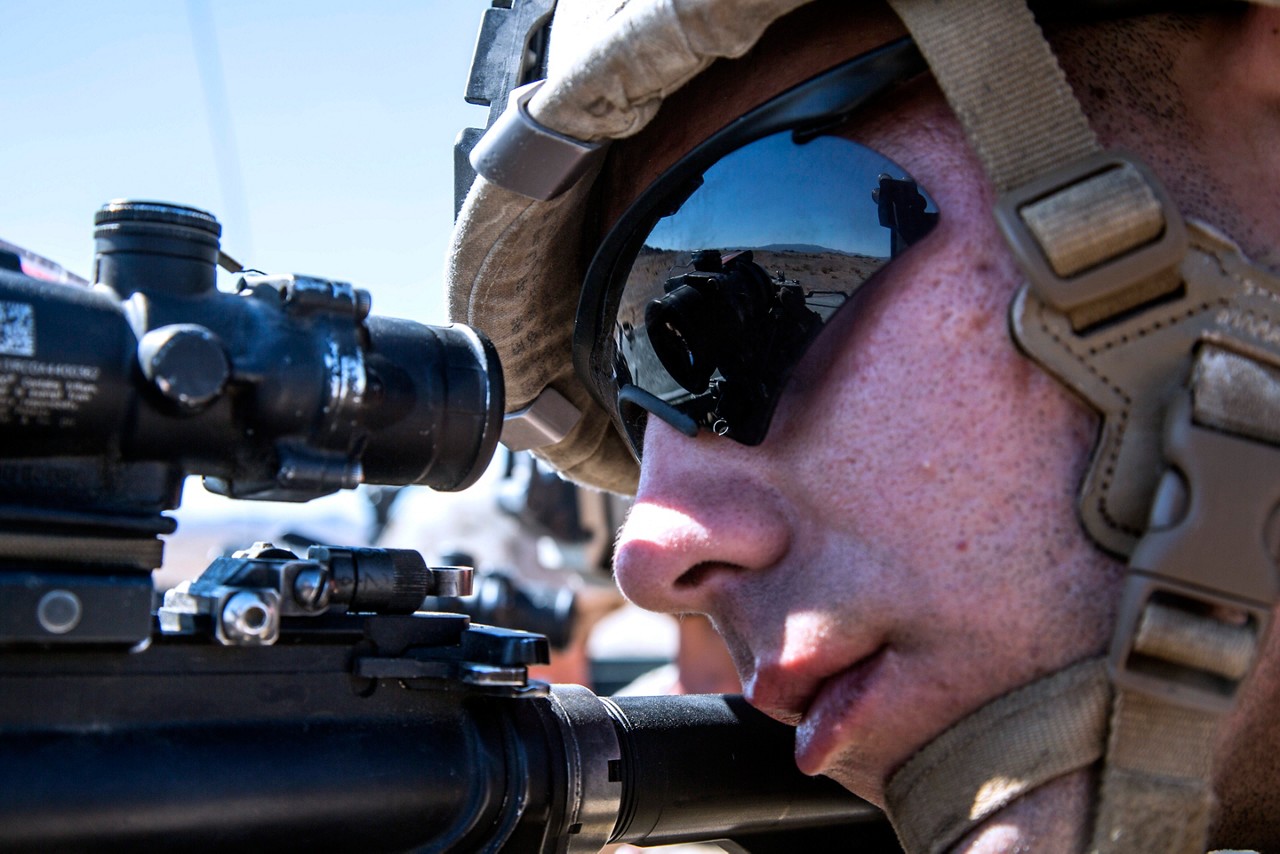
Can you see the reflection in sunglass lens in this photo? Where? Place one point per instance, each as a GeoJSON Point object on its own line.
{"type": "Point", "coordinates": [726, 293]}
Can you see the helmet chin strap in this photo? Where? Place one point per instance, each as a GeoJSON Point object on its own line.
{"type": "Point", "coordinates": [1175, 338]}
{"type": "Point", "coordinates": [1007, 748]}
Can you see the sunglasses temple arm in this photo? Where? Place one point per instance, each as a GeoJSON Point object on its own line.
{"type": "Point", "coordinates": [657, 406]}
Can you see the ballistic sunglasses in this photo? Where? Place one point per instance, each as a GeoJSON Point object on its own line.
{"type": "Point", "coordinates": [711, 286]}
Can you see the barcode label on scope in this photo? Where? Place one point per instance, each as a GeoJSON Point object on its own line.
{"type": "Point", "coordinates": [17, 329]}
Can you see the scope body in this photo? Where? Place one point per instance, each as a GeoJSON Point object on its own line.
{"type": "Point", "coordinates": [287, 389]}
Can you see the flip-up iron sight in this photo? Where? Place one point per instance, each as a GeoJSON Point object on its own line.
{"type": "Point", "coordinates": [283, 702]}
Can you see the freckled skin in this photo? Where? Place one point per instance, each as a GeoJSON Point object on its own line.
{"type": "Point", "coordinates": [914, 502]}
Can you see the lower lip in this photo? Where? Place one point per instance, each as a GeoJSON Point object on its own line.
{"type": "Point", "coordinates": [837, 714]}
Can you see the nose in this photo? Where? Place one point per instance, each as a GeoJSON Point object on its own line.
{"type": "Point", "coordinates": [705, 518]}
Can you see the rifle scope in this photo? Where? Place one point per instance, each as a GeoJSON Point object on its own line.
{"type": "Point", "coordinates": [287, 389]}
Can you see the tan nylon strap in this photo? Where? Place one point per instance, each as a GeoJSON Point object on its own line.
{"type": "Point", "coordinates": [1095, 220]}
{"type": "Point", "coordinates": [1210, 645]}
{"type": "Point", "coordinates": [1156, 793]}
{"type": "Point", "coordinates": [1156, 790]}
{"type": "Point", "coordinates": [1018, 111]}
{"type": "Point", "coordinates": [1004, 84]}
{"type": "Point", "coordinates": [1238, 394]}
{"type": "Point", "coordinates": [1012, 745]}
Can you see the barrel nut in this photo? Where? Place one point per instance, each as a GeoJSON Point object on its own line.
{"type": "Point", "coordinates": [250, 618]}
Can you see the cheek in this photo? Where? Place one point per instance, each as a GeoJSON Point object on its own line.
{"type": "Point", "coordinates": [940, 443]}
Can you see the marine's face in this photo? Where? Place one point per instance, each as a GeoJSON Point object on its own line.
{"type": "Point", "coordinates": [903, 546]}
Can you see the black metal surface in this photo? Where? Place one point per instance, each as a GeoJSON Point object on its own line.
{"type": "Point", "coordinates": [200, 730]}
{"type": "Point", "coordinates": [192, 745]}
{"type": "Point", "coordinates": [189, 745]}
{"type": "Point", "coordinates": [710, 766]}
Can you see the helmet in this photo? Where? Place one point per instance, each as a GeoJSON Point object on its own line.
{"type": "Point", "coordinates": [593, 92]}
{"type": "Point", "coordinates": [1160, 323]}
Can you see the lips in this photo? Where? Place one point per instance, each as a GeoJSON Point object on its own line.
{"type": "Point", "coordinates": [827, 710]}
{"type": "Point", "coordinates": [837, 713]}
{"type": "Point", "coordinates": [813, 698]}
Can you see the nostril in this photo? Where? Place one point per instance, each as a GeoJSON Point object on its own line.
{"type": "Point", "coordinates": [699, 574]}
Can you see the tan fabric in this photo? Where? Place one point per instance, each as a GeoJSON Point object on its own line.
{"type": "Point", "coordinates": [515, 265]}
{"type": "Point", "coordinates": [1012, 98]}
{"type": "Point", "coordinates": [518, 258]}
{"type": "Point", "coordinates": [610, 73]}
{"type": "Point", "coordinates": [1237, 394]}
{"type": "Point", "coordinates": [1033, 139]}
{"type": "Point", "coordinates": [1156, 795]}
{"type": "Point", "coordinates": [1095, 221]}
{"type": "Point", "coordinates": [1173, 635]}
{"type": "Point", "coordinates": [1005, 749]}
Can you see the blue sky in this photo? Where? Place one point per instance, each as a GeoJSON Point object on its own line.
{"type": "Point", "coordinates": [774, 192]}
{"type": "Point", "coordinates": [339, 120]}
